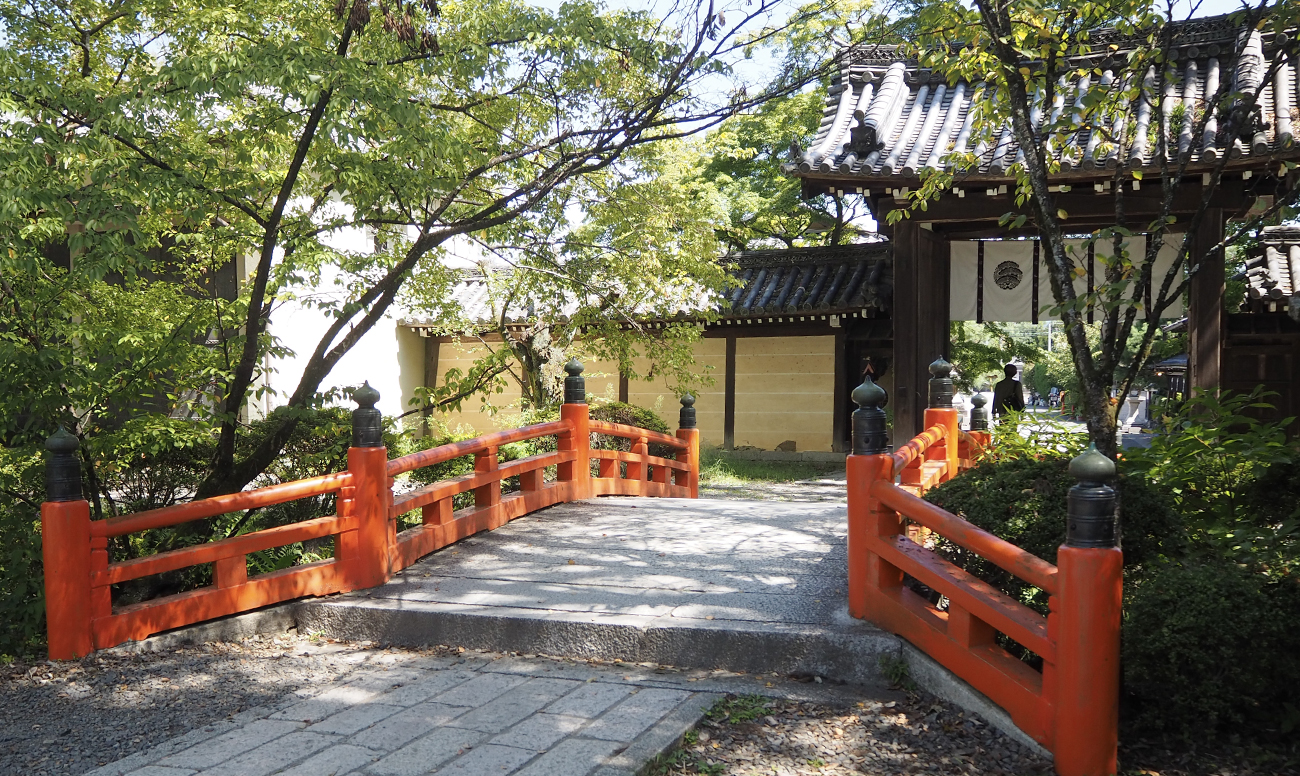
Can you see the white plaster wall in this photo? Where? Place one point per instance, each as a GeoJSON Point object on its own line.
{"type": "Point", "coordinates": [389, 356]}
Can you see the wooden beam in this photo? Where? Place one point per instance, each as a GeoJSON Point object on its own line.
{"type": "Point", "coordinates": [907, 343]}
{"type": "Point", "coordinates": [934, 293]}
{"type": "Point", "coordinates": [432, 349]}
{"type": "Point", "coordinates": [1082, 207]}
{"type": "Point", "coordinates": [1205, 314]}
{"type": "Point", "coordinates": [729, 398]}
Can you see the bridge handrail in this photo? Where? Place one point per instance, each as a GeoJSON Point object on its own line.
{"type": "Point", "coordinates": [270, 495]}
{"type": "Point", "coordinates": [916, 448]}
{"type": "Point", "coordinates": [81, 616]}
{"type": "Point", "coordinates": [447, 452]}
{"type": "Point", "coordinates": [633, 432]}
{"type": "Point", "coordinates": [1001, 553]}
{"type": "Point", "coordinates": [1071, 705]}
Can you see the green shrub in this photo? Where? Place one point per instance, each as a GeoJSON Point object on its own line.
{"type": "Point", "coordinates": [22, 592]}
{"type": "Point", "coordinates": [1229, 475]}
{"type": "Point", "coordinates": [628, 415]}
{"type": "Point", "coordinates": [1211, 648]}
{"type": "Point", "coordinates": [1023, 501]}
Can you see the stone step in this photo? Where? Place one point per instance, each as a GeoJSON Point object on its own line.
{"type": "Point", "coordinates": [849, 652]}
{"type": "Point", "coordinates": [758, 587]}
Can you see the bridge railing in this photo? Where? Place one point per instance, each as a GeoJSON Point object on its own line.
{"type": "Point", "coordinates": [1070, 706]}
{"type": "Point", "coordinates": [368, 549]}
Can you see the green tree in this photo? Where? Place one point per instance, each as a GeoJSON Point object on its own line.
{"type": "Point", "coordinates": [257, 135]}
{"type": "Point", "coordinates": [1024, 52]}
{"type": "Point", "coordinates": [744, 159]}
{"type": "Point", "coordinates": [583, 275]}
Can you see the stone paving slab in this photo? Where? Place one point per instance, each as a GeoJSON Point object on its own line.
{"type": "Point", "coordinates": [740, 585]}
{"type": "Point", "coordinates": [407, 715]}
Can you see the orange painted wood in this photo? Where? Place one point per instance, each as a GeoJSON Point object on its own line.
{"type": "Point", "coordinates": [437, 513]}
{"type": "Point", "coordinates": [968, 630]}
{"type": "Point", "coordinates": [607, 468]}
{"type": "Point", "coordinates": [1087, 697]}
{"type": "Point", "coordinates": [414, 543]}
{"type": "Point", "coordinates": [620, 455]}
{"type": "Point", "coordinates": [576, 441]}
{"type": "Point", "coordinates": [489, 493]}
{"type": "Point", "coordinates": [436, 491]}
{"type": "Point", "coordinates": [1008, 682]}
{"type": "Point", "coordinates": [617, 486]}
{"type": "Point", "coordinates": [636, 466]}
{"type": "Point", "coordinates": [231, 572]}
{"type": "Point", "coordinates": [864, 524]}
{"type": "Point", "coordinates": [220, 505]}
{"type": "Point", "coordinates": [367, 548]}
{"type": "Point", "coordinates": [65, 552]}
{"type": "Point", "coordinates": [1003, 554]}
{"type": "Point", "coordinates": [946, 450]}
{"type": "Point", "coordinates": [141, 620]}
{"type": "Point", "coordinates": [369, 565]}
{"type": "Point", "coordinates": [690, 456]}
{"type": "Point", "coordinates": [237, 546]}
{"type": "Point", "coordinates": [971, 593]}
{"type": "Point", "coordinates": [443, 453]}
{"type": "Point", "coordinates": [915, 449]}
{"type": "Point", "coordinates": [101, 598]}
{"type": "Point", "coordinates": [633, 432]}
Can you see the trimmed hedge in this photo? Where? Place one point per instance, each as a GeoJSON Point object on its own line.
{"type": "Point", "coordinates": [1023, 501]}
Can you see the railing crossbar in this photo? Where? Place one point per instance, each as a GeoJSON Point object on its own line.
{"type": "Point", "coordinates": [990, 605]}
{"type": "Point", "coordinates": [220, 505]}
{"type": "Point", "coordinates": [966, 535]}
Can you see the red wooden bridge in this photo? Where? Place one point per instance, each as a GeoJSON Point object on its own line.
{"type": "Point", "coordinates": [1069, 707]}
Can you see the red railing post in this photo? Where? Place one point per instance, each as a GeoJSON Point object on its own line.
{"type": "Point", "coordinates": [372, 548]}
{"type": "Point", "coordinates": [65, 551]}
{"type": "Point", "coordinates": [688, 433]}
{"type": "Point", "coordinates": [578, 471]}
{"type": "Point", "coordinates": [941, 413]}
{"type": "Point", "coordinates": [1090, 569]}
{"type": "Point", "coordinates": [867, 463]}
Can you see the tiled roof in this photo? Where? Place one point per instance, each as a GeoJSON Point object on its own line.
{"type": "Point", "coordinates": [823, 280]}
{"type": "Point", "coordinates": [842, 278]}
{"type": "Point", "coordinates": [886, 119]}
{"type": "Point", "coordinates": [1272, 274]}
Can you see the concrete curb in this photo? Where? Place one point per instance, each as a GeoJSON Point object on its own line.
{"type": "Point", "coordinates": [663, 737]}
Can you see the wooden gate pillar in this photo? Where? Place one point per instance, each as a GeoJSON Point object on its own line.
{"type": "Point", "coordinates": [1205, 318]}
{"type": "Point", "coordinates": [922, 288]}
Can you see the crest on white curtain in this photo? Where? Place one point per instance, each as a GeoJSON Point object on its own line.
{"type": "Point", "coordinates": [1007, 280]}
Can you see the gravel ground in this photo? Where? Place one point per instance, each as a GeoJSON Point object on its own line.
{"type": "Point", "coordinates": [918, 734]}
{"type": "Point", "coordinates": [67, 718]}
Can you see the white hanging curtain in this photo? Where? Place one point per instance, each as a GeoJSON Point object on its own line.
{"type": "Point", "coordinates": [994, 280]}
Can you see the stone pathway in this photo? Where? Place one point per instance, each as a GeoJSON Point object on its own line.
{"type": "Point", "coordinates": [402, 714]}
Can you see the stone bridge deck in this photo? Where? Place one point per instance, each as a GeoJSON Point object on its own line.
{"type": "Point", "coordinates": [755, 586]}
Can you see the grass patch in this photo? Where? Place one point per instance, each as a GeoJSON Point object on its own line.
{"type": "Point", "coordinates": [739, 708]}
{"type": "Point", "coordinates": [719, 467]}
